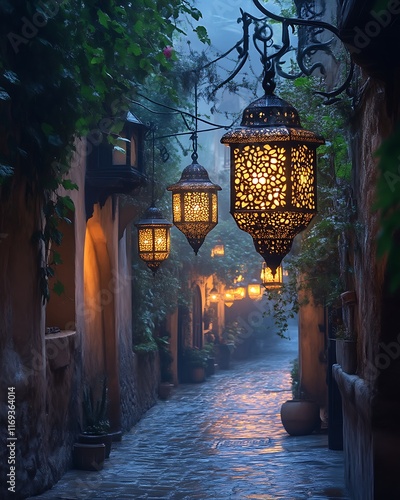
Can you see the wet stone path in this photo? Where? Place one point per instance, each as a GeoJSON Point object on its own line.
{"type": "Point", "coordinates": [219, 440]}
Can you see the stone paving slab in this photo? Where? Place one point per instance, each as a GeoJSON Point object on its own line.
{"type": "Point", "coordinates": [219, 440]}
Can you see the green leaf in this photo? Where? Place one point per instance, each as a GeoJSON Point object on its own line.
{"type": "Point", "coordinates": [68, 184]}
{"type": "Point", "coordinates": [57, 258]}
{"type": "Point", "coordinates": [103, 18]}
{"type": "Point", "coordinates": [68, 203]}
{"type": "Point", "coordinates": [58, 288]}
{"type": "Point", "coordinates": [202, 35]}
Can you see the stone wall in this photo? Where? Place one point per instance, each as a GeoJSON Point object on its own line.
{"type": "Point", "coordinates": [371, 399]}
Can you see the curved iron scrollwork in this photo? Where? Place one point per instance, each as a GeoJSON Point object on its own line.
{"type": "Point", "coordinates": [311, 40]}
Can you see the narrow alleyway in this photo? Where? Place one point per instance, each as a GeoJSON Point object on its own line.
{"type": "Point", "coordinates": [219, 440]}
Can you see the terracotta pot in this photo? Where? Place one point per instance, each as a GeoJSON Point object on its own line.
{"type": "Point", "coordinates": [164, 390]}
{"type": "Point", "coordinates": [300, 417]}
{"type": "Point", "coordinates": [105, 439]}
{"type": "Point", "coordinates": [88, 456]}
{"type": "Point", "coordinates": [197, 374]}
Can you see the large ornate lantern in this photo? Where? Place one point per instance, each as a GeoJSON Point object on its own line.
{"type": "Point", "coordinates": [273, 175]}
{"type": "Point", "coordinates": [270, 279]}
{"type": "Point", "coordinates": [229, 296]}
{"type": "Point", "coordinates": [153, 238]}
{"type": "Point", "coordinates": [195, 204]}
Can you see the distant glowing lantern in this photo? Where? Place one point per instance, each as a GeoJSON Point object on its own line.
{"type": "Point", "coordinates": [254, 290]}
{"type": "Point", "coordinates": [273, 175]}
{"type": "Point", "coordinates": [218, 250]}
{"type": "Point", "coordinates": [239, 292]}
{"type": "Point", "coordinates": [153, 238]}
{"type": "Point", "coordinates": [270, 279]}
{"type": "Point", "coordinates": [229, 296]}
{"type": "Point", "coordinates": [214, 295]}
{"type": "Point", "coordinates": [195, 204]}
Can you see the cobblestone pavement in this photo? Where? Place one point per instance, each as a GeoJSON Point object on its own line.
{"type": "Point", "coordinates": [219, 440]}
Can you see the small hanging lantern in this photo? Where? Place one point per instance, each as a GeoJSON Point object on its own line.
{"type": "Point", "coordinates": [218, 250]}
{"type": "Point", "coordinates": [273, 174]}
{"type": "Point", "coordinates": [195, 204]}
{"type": "Point", "coordinates": [254, 290]}
{"type": "Point", "coordinates": [153, 238]}
{"type": "Point", "coordinates": [214, 295]}
{"type": "Point", "coordinates": [239, 292]}
{"type": "Point", "coordinates": [270, 279]}
{"type": "Point", "coordinates": [229, 296]}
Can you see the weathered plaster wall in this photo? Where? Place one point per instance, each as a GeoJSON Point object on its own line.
{"type": "Point", "coordinates": [312, 352]}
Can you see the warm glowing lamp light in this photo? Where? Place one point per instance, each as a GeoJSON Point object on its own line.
{"type": "Point", "coordinates": [273, 175]}
{"type": "Point", "coordinates": [195, 204]}
{"type": "Point", "coordinates": [270, 279]}
{"type": "Point", "coordinates": [153, 238]}
{"type": "Point", "coordinates": [214, 295]}
{"type": "Point", "coordinates": [239, 292]}
{"type": "Point", "coordinates": [254, 290]}
{"type": "Point", "coordinates": [218, 250]}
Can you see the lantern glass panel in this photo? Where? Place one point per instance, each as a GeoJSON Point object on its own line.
{"type": "Point", "coordinates": [303, 177]}
{"type": "Point", "coordinates": [196, 206]}
{"type": "Point", "coordinates": [145, 239]}
{"type": "Point", "coordinates": [260, 176]}
{"type": "Point", "coordinates": [176, 207]}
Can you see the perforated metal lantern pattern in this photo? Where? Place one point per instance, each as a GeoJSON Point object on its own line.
{"type": "Point", "coordinates": [195, 204]}
{"type": "Point", "coordinates": [153, 238]}
{"type": "Point", "coordinates": [273, 176]}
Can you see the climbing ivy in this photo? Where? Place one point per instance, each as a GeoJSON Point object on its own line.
{"type": "Point", "coordinates": [66, 71]}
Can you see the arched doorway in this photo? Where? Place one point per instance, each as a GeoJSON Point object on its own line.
{"type": "Point", "coordinates": [100, 343]}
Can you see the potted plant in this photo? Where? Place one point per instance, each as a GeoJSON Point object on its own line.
{"type": "Point", "coordinates": [96, 425]}
{"type": "Point", "coordinates": [299, 416]}
{"type": "Point", "coordinates": [166, 375]}
{"type": "Point", "coordinates": [229, 340]}
{"type": "Point", "coordinates": [346, 349]}
{"type": "Point", "coordinates": [209, 349]}
{"type": "Point", "coordinates": [196, 363]}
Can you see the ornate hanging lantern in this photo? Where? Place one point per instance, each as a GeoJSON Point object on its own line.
{"type": "Point", "coordinates": [153, 238]}
{"type": "Point", "coordinates": [195, 204]}
{"type": "Point", "coordinates": [273, 174]}
{"type": "Point", "coordinates": [270, 279]}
